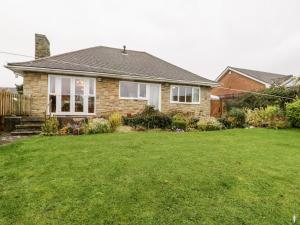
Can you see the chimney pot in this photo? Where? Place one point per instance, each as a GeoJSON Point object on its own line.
{"type": "Point", "coordinates": [124, 49]}
{"type": "Point", "coordinates": [42, 46]}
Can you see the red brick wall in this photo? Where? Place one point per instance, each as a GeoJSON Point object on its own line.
{"type": "Point", "coordinates": [236, 81]}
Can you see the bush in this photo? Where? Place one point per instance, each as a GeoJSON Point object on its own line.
{"type": "Point", "coordinates": [179, 121]}
{"type": "Point", "coordinates": [51, 126]}
{"type": "Point", "coordinates": [209, 123]}
{"type": "Point", "coordinates": [267, 97]}
{"type": "Point", "coordinates": [98, 125]}
{"type": "Point", "coordinates": [293, 112]}
{"type": "Point", "coordinates": [115, 120]}
{"type": "Point", "coordinates": [255, 117]}
{"type": "Point", "coordinates": [149, 118]}
{"type": "Point", "coordinates": [236, 118]}
{"type": "Point", "coordinates": [271, 116]}
{"type": "Point", "coordinates": [224, 121]}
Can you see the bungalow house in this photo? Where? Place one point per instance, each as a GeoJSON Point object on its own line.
{"type": "Point", "coordinates": [234, 81]}
{"type": "Point", "coordinates": [100, 80]}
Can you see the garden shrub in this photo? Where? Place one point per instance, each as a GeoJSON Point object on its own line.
{"type": "Point", "coordinates": [209, 123]}
{"type": "Point", "coordinates": [255, 117]}
{"type": "Point", "coordinates": [267, 97]}
{"type": "Point", "coordinates": [51, 126]}
{"type": "Point", "coordinates": [236, 118]}
{"type": "Point", "coordinates": [224, 121]}
{"type": "Point", "coordinates": [149, 118]}
{"type": "Point", "coordinates": [98, 125]}
{"type": "Point", "coordinates": [271, 116]}
{"type": "Point", "coordinates": [293, 112]}
{"type": "Point", "coordinates": [115, 120]}
{"type": "Point", "coordinates": [179, 121]}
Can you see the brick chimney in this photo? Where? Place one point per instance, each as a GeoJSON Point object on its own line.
{"type": "Point", "coordinates": [42, 46]}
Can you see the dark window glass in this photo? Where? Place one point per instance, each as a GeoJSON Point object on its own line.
{"type": "Point", "coordinates": [91, 105]}
{"type": "Point", "coordinates": [52, 103]}
{"type": "Point", "coordinates": [65, 94]}
{"type": "Point", "coordinates": [175, 94]}
{"type": "Point", "coordinates": [188, 94]}
{"type": "Point", "coordinates": [78, 103]}
{"type": "Point", "coordinates": [181, 94]}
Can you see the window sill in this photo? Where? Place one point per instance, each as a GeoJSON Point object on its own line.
{"type": "Point", "coordinates": [186, 103]}
{"type": "Point", "coordinates": [140, 99]}
{"type": "Point", "coordinates": [73, 114]}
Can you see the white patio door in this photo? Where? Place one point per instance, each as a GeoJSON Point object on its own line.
{"type": "Point", "coordinates": [154, 96]}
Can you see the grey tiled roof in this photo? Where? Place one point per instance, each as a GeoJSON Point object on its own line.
{"type": "Point", "coordinates": [111, 61]}
{"type": "Point", "coordinates": [270, 78]}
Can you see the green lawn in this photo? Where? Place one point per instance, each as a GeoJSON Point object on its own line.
{"type": "Point", "coordinates": [224, 177]}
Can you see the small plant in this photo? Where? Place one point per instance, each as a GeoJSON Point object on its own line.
{"type": "Point", "coordinates": [51, 126]}
{"type": "Point", "coordinates": [236, 118]}
{"type": "Point", "coordinates": [224, 121]}
{"type": "Point", "coordinates": [179, 121]}
{"type": "Point", "coordinates": [115, 120]}
{"type": "Point", "coordinates": [208, 124]}
{"type": "Point", "coordinates": [149, 118]}
{"type": "Point", "coordinates": [98, 125]}
{"type": "Point", "coordinates": [293, 112]}
{"type": "Point", "coordinates": [271, 117]}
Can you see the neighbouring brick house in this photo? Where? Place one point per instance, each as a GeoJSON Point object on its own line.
{"type": "Point", "coordinates": [100, 80]}
{"type": "Point", "coordinates": [234, 81]}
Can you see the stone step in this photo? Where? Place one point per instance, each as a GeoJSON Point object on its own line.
{"type": "Point", "coordinates": [36, 126]}
{"type": "Point", "coordinates": [25, 133]}
{"type": "Point", "coordinates": [32, 119]}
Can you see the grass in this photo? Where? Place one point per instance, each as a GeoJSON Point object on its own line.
{"type": "Point", "coordinates": [225, 177]}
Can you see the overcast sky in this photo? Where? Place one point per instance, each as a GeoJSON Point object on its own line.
{"type": "Point", "coordinates": [201, 36]}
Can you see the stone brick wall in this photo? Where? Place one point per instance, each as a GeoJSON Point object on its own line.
{"type": "Point", "coordinates": [36, 85]}
{"type": "Point", "coordinates": [108, 101]}
{"type": "Point", "coordinates": [202, 109]}
{"type": "Point", "coordinates": [107, 98]}
{"type": "Point", "coordinates": [236, 81]}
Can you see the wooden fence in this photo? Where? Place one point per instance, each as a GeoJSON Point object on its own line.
{"type": "Point", "coordinates": [14, 104]}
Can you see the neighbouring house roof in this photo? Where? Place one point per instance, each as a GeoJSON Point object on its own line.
{"type": "Point", "coordinates": [260, 76]}
{"type": "Point", "coordinates": [101, 61]}
{"type": "Point", "coordinates": [9, 89]}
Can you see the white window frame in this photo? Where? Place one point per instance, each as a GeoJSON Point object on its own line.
{"type": "Point", "coordinates": [72, 96]}
{"type": "Point", "coordinates": [138, 91]}
{"type": "Point", "coordinates": [147, 98]}
{"type": "Point", "coordinates": [189, 103]}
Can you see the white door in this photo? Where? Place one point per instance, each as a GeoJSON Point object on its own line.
{"type": "Point", "coordinates": [154, 95]}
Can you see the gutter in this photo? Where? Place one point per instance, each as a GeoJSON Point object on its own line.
{"type": "Point", "coordinates": [20, 69]}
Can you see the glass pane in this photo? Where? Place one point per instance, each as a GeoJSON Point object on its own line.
{"type": "Point", "coordinates": [196, 96]}
{"type": "Point", "coordinates": [129, 89]}
{"type": "Point", "coordinates": [65, 94]}
{"type": "Point", "coordinates": [52, 85]}
{"type": "Point", "coordinates": [52, 103]}
{"type": "Point", "coordinates": [188, 94]}
{"type": "Point", "coordinates": [78, 103]}
{"type": "Point", "coordinates": [65, 103]}
{"type": "Point", "coordinates": [65, 86]}
{"type": "Point", "coordinates": [181, 94]}
{"type": "Point", "coordinates": [91, 105]}
{"type": "Point", "coordinates": [79, 87]}
{"type": "Point", "coordinates": [142, 90]}
{"type": "Point", "coordinates": [91, 86]}
{"type": "Point", "coordinates": [175, 94]}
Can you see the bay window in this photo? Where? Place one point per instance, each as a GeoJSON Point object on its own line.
{"type": "Point", "coordinates": [71, 95]}
{"type": "Point", "coordinates": [185, 94]}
